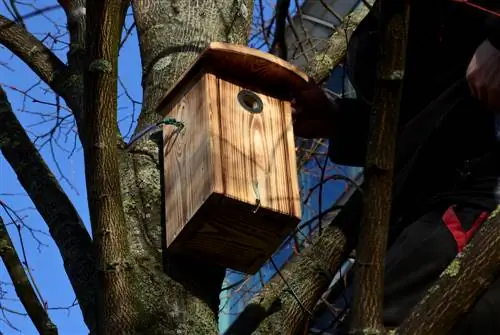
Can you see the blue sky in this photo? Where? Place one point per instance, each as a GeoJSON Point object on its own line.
{"type": "Point", "coordinates": [45, 261]}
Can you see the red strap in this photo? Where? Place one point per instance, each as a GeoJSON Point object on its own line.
{"type": "Point", "coordinates": [461, 236]}
{"type": "Point", "coordinates": [484, 9]}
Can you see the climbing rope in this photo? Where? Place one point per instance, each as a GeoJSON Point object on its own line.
{"type": "Point", "coordinates": [167, 122]}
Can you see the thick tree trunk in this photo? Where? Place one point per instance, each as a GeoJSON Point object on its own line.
{"type": "Point", "coordinates": [116, 306]}
{"type": "Point", "coordinates": [175, 295]}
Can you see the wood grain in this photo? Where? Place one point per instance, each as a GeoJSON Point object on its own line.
{"type": "Point", "coordinates": [255, 150]}
{"type": "Point", "coordinates": [216, 169]}
{"type": "Point", "coordinates": [188, 162]}
{"type": "Point", "coordinates": [258, 71]}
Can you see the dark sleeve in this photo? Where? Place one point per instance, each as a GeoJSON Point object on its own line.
{"type": "Point", "coordinates": [493, 26]}
{"type": "Point", "coordinates": [347, 144]}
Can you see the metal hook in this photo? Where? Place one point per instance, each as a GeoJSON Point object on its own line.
{"type": "Point", "coordinates": [255, 185]}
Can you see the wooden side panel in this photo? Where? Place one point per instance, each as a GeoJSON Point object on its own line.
{"type": "Point", "coordinates": [257, 152]}
{"type": "Point", "coordinates": [291, 158]}
{"type": "Point", "coordinates": [187, 160]}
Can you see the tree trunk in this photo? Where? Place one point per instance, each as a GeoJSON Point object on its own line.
{"type": "Point", "coordinates": [116, 306]}
{"type": "Point", "coordinates": [173, 295]}
{"type": "Point", "coordinates": [367, 305]}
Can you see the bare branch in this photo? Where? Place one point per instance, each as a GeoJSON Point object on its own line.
{"type": "Point", "coordinates": [309, 275]}
{"type": "Point", "coordinates": [63, 221]}
{"type": "Point", "coordinates": [367, 306]}
{"type": "Point", "coordinates": [38, 57]}
{"type": "Point", "coordinates": [325, 60]}
{"type": "Point", "coordinates": [22, 285]}
{"type": "Point", "coordinates": [279, 47]}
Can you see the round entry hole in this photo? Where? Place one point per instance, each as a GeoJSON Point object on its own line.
{"type": "Point", "coordinates": [250, 101]}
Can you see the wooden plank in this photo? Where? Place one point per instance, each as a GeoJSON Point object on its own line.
{"type": "Point", "coordinates": [213, 103]}
{"type": "Point", "coordinates": [188, 166]}
{"type": "Point", "coordinates": [258, 152]}
{"type": "Point", "coordinates": [225, 232]}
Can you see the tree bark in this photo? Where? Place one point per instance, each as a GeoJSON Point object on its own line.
{"type": "Point", "coordinates": [324, 61]}
{"type": "Point", "coordinates": [274, 310]}
{"type": "Point", "coordinates": [64, 223]}
{"type": "Point", "coordinates": [367, 305]}
{"type": "Point", "coordinates": [117, 311]}
{"type": "Point", "coordinates": [22, 285]}
{"type": "Point", "coordinates": [460, 285]}
{"type": "Point", "coordinates": [178, 295]}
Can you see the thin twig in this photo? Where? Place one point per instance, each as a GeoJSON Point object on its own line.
{"type": "Point", "coordinates": [22, 285]}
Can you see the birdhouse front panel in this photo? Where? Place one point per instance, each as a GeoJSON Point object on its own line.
{"type": "Point", "coordinates": [255, 149]}
{"type": "Point", "coordinates": [231, 184]}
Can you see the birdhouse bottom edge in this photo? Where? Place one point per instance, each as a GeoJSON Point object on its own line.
{"type": "Point", "coordinates": [231, 234]}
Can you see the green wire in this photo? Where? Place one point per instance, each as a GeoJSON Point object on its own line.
{"type": "Point", "coordinates": [172, 122]}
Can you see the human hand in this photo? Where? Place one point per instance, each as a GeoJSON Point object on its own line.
{"type": "Point", "coordinates": [483, 75]}
{"type": "Point", "coordinates": [313, 114]}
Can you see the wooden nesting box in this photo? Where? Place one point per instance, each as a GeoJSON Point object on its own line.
{"type": "Point", "coordinates": [230, 176]}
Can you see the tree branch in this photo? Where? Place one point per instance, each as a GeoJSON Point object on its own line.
{"type": "Point", "coordinates": [279, 47]}
{"type": "Point", "coordinates": [164, 60]}
{"type": "Point", "coordinates": [312, 272]}
{"type": "Point", "coordinates": [41, 60]}
{"type": "Point", "coordinates": [22, 285]}
{"type": "Point", "coordinates": [325, 60]}
{"type": "Point", "coordinates": [367, 305]}
{"type": "Point", "coordinates": [460, 285]}
{"type": "Point", "coordinates": [117, 310]}
{"type": "Point", "coordinates": [75, 13]}
{"type": "Point", "coordinates": [274, 310]}
{"type": "Point", "coordinates": [62, 219]}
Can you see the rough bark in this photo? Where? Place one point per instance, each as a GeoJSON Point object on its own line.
{"type": "Point", "coordinates": [177, 295]}
{"type": "Point", "coordinates": [117, 310]}
{"type": "Point", "coordinates": [367, 305]}
{"type": "Point", "coordinates": [22, 285]}
{"type": "Point", "coordinates": [62, 219]}
{"type": "Point", "coordinates": [41, 60]}
{"type": "Point", "coordinates": [336, 49]}
{"type": "Point", "coordinates": [460, 285]}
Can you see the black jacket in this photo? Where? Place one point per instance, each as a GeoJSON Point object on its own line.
{"type": "Point", "coordinates": [443, 36]}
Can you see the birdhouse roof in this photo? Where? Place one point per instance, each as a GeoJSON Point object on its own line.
{"type": "Point", "coordinates": [252, 69]}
